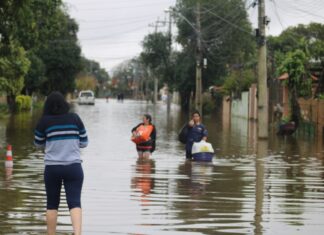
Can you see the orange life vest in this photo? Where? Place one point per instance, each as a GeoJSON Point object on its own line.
{"type": "Point", "coordinates": [142, 134]}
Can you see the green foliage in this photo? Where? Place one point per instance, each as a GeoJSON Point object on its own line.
{"type": "Point", "coordinates": [129, 73]}
{"type": "Point", "coordinates": [23, 103]}
{"type": "Point", "coordinates": [62, 61]}
{"type": "Point", "coordinates": [308, 39]}
{"type": "Point", "coordinates": [45, 30]}
{"type": "Point", "coordinates": [14, 65]}
{"type": "Point", "coordinates": [3, 109]}
{"type": "Point", "coordinates": [3, 83]}
{"type": "Point", "coordinates": [321, 96]}
{"type": "Point", "coordinates": [238, 81]}
{"type": "Point", "coordinates": [36, 74]}
{"type": "Point", "coordinates": [155, 51]}
{"type": "Point", "coordinates": [91, 67]}
{"type": "Point", "coordinates": [86, 83]}
{"type": "Point", "coordinates": [209, 104]}
{"type": "Point", "coordinates": [299, 79]}
{"type": "Point", "coordinates": [226, 36]}
{"type": "Point", "coordinates": [226, 39]}
{"type": "Point", "coordinates": [156, 57]}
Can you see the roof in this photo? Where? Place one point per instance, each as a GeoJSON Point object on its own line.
{"type": "Point", "coordinates": [285, 76]}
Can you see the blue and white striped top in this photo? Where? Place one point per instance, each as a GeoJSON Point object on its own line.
{"type": "Point", "coordinates": [62, 136]}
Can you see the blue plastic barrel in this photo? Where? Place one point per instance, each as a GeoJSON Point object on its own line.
{"type": "Point", "coordinates": [203, 157]}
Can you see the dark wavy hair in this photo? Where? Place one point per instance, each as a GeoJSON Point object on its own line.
{"type": "Point", "coordinates": [148, 117]}
{"type": "Point", "coordinates": [195, 112]}
{"type": "Point", "coordinates": [56, 104]}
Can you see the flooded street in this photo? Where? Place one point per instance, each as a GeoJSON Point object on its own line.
{"type": "Point", "coordinates": [252, 187]}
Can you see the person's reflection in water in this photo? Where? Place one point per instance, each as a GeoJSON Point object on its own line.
{"type": "Point", "coordinates": [143, 181]}
{"type": "Point", "coordinates": [199, 174]}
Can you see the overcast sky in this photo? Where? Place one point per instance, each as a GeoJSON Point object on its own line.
{"type": "Point", "coordinates": [111, 31]}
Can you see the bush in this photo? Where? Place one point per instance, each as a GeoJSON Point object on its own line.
{"type": "Point", "coordinates": [321, 96]}
{"type": "Point", "coordinates": [238, 81]}
{"type": "Point", "coordinates": [209, 104]}
{"type": "Point", "coordinates": [23, 103]}
{"type": "Point", "coordinates": [3, 109]}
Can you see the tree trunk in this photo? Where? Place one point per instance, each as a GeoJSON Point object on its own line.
{"type": "Point", "coordinates": [185, 100]}
{"type": "Point", "coordinates": [295, 108]}
{"type": "Point", "coordinates": [11, 101]}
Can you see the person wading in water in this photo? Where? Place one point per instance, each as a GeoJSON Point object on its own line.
{"type": "Point", "coordinates": [144, 136]}
{"type": "Point", "coordinates": [62, 134]}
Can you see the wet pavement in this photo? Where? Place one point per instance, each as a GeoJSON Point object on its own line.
{"type": "Point", "coordinates": [252, 187]}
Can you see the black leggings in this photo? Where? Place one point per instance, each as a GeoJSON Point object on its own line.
{"type": "Point", "coordinates": [72, 178]}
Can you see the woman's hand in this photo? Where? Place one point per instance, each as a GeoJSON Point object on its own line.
{"type": "Point", "coordinates": [191, 123]}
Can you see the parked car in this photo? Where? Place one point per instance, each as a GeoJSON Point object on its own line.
{"type": "Point", "coordinates": [86, 97]}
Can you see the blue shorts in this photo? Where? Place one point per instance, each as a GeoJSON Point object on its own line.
{"type": "Point", "coordinates": [71, 176]}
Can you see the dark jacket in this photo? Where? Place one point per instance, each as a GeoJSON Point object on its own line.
{"type": "Point", "coordinates": [148, 145]}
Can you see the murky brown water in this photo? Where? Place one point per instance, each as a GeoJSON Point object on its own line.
{"type": "Point", "coordinates": [265, 187]}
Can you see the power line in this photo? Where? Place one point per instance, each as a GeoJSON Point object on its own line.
{"type": "Point", "coordinates": [111, 58]}
{"type": "Point", "coordinates": [114, 35]}
{"type": "Point", "coordinates": [277, 14]}
{"type": "Point", "coordinates": [109, 2]}
{"type": "Point", "coordinates": [292, 6]}
{"type": "Point", "coordinates": [115, 25]}
{"type": "Point", "coordinates": [118, 19]}
{"type": "Point", "coordinates": [118, 42]}
{"type": "Point", "coordinates": [120, 8]}
{"type": "Point", "coordinates": [217, 23]}
{"type": "Point", "coordinates": [228, 22]}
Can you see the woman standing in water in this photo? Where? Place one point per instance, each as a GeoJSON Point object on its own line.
{"type": "Point", "coordinates": [144, 136]}
{"type": "Point", "coordinates": [196, 133]}
{"type": "Point", "coordinates": [62, 134]}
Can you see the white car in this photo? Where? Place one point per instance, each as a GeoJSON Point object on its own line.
{"type": "Point", "coordinates": [86, 97]}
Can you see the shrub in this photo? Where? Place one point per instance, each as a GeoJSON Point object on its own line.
{"type": "Point", "coordinates": [209, 104]}
{"type": "Point", "coordinates": [23, 103]}
{"type": "Point", "coordinates": [321, 96]}
{"type": "Point", "coordinates": [3, 109]}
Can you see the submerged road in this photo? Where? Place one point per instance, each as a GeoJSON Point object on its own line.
{"type": "Point", "coordinates": [271, 187]}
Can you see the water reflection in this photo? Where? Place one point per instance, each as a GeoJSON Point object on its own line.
{"type": "Point", "coordinates": [143, 180]}
{"type": "Point", "coordinates": [252, 186]}
{"type": "Point", "coordinates": [214, 194]}
{"type": "Point", "coordinates": [199, 175]}
{"type": "Point", "coordinates": [261, 154]}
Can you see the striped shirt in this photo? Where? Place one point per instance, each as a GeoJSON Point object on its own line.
{"type": "Point", "coordinates": [62, 136]}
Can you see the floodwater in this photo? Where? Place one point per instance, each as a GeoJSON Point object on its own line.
{"type": "Point", "coordinates": [252, 187]}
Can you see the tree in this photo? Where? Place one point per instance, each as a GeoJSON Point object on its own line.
{"type": "Point", "coordinates": [48, 34]}
{"type": "Point", "coordinates": [62, 57]}
{"type": "Point", "coordinates": [93, 68]}
{"type": "Point", "coordinates": [238, 80]}
{"type": "Point", "coordinates": [299, 82]}
{"type": "Point", "coordinates": [14, 65]}
{"type": "Point", "coordinates": [307, 38]}
{"type": "Point", "coordinates": [86, 83]}
{"type": "Point", "coordinates": [156, 54]}
{"type": "Point", "coordinates": [36, 74]}
{"type": "Point", "coordinates": [62, 61]}
{"type": "Point", "coordinates": [226, 36]}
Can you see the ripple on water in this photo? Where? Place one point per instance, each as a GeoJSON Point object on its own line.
{"type": "Point", "coordinates": [247, 189]}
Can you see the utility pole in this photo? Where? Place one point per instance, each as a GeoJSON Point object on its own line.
{"type": "Point", "coordinates": [156, 81]}
{"type": "Point", "coordinates": [198, 97]}
{"type": "Point", "coordinates": [262, 75]}
{"type": "Point", "coordinates": [170, 56]}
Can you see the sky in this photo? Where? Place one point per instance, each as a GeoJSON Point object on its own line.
{"type": "Point", "coordinates": [111, 31]}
